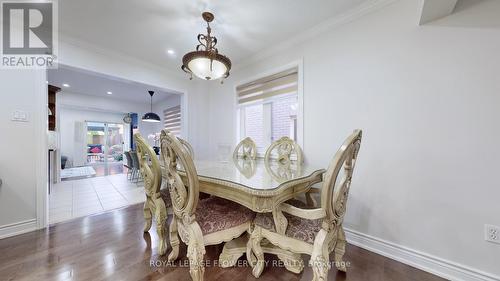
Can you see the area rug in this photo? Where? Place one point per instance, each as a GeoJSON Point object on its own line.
{"type": "Point", "coordinates": [78, 172]}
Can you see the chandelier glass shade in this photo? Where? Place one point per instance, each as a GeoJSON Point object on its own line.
{"type": "Point", "coordinates": [206, 62]}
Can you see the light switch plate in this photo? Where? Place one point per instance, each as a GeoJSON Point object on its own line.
{"type": "Point", "coordinates": [20, 116]}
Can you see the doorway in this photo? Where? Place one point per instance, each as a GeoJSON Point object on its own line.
{"type": "Point", "coordinates": [105, 146]}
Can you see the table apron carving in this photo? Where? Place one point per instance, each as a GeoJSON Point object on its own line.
{"type": "Point", "coordinates": [258, 200]}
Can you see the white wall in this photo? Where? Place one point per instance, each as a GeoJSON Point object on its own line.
{"type": "Point", "coordinates": [23, 167]}
{"type": "Point", "coordinates": [23, 150]}
{"type": "Point", "coordinates": [427, 99]}
{"type": "Point", "coordinates": [195, 93]}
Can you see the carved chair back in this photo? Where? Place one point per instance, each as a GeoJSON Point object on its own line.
{"type": "Point", "coordinates": [149, 166]}
{"type": "Point", "coordinates": [184, 191]}
{"type": "Point", "coordinates": [248, 149]}
{"type": "Point", "coordinates": [283, 172]}
{"type": "Point", "coordinates": [188, 146]}
{"type": "Point", "coordinates": [284, 151]}
{"type": "Point", "coordinates": [335, 189]}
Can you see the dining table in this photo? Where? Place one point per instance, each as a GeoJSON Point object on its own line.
{"type": "Point", "coordinates": [260, 185]}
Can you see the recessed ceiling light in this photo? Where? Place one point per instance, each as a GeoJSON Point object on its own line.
{"type": "Point", "coordinates": [65, 85]}
{"type": "Point", "coordinates": [46, 82]}
{"type": "Point", "coordinates": [170, 52]}
{"type": "Point", "coordinates": [109, 93]}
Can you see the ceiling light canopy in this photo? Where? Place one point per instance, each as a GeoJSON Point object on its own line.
{"type": "Point", "coordinates": [151, 116]}
{"type": "Point", "coordinates": [206, 62]}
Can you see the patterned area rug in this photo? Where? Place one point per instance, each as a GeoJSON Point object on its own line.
{"type": "Point", "coordinates": [78, 172]}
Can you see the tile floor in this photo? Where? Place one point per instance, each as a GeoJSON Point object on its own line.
{"type": "Point", "coordinates": [78, 198]}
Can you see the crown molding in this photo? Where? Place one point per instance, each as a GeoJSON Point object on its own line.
{"type": "Point", "coordinates": [334, 22]}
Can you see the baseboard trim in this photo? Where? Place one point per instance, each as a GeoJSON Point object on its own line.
{"type": "Point", "coordinates": [17, 228]}
{"type": "Point", "coordinates": [426, 262]}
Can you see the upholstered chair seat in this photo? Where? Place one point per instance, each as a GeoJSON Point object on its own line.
{"type": "Point", "coordinates": [215, 214]}
{"type": "Point", "coordinates": [298, 228]}
{"type": "Point", "coordinates": [165, 196]}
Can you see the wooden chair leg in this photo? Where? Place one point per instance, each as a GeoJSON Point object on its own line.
{"type": "Point", "coordinates": [161, 222]}
{"type": "Point", "coordinates": [174, 240]}
{"type": "Point", "coordinates": [340, 250]}
{"type": "Point", "coordinates": [195, 253]}
{"type": "Point", "coordinates": [148, 216]}
{"type": "Point", "coordinates": [319, 261]}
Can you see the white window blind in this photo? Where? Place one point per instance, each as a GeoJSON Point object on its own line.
{"type": "Point", "coordinates": [267, 108]}
{"type": "Point", "coordinates": [172, 119]}
{"type": "Point", "coordinates": [282, 83]}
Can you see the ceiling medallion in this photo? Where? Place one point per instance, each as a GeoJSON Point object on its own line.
{"type": "Point", "coordinates": [206, 62]}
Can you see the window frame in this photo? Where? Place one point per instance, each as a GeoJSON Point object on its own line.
{"type": "Point", "coordinates": [239, 112]}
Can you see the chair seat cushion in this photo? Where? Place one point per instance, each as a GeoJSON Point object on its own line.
{"type": "Point", "coordinates": [165, 195]}
{"type": "Point", "coordinates": [298, 228]}
{"type": "Point", "coordinates": [216, 214]}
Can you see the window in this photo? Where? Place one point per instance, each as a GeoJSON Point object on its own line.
{"type": "Point", "coordinates": [172, 120]}
{"type": "Point", "coordinates": [268, 108]}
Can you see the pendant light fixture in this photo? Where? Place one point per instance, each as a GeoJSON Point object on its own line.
{"type": "Point", "coordinates": [206, 63]}
{"type": "Point", "coordinates": [151, 116]}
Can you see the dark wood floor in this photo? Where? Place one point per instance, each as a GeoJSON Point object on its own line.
{"type": "Point", "coordinates": [112, 246]}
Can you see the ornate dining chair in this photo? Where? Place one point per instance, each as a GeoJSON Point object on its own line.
{"type": "Point", "coordinates": [316, 232]}
{"type": "Point", "coordinates": [199, 223]}
{"type": "Point", "coordinates": [287, 153]}
{"type": "Point", "coordinates": [246, 149]}
{"type": "Point", "coordinates": [129, 164]}
{"type": "Point", "coordinates": [157, 199]}
{"type": "Point", "coordinates": [135, 166]}
{"type": "Point", "coordinates": [284, 150]}
{"type": "Point", "coordinates": [188, 147]}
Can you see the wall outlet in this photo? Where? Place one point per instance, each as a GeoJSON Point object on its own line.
{"type": "Point", "coordinates": [492, 233]}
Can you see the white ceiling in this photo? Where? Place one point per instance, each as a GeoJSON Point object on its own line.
{"type": "Point", "coordinates": [94, 84]}
{"type": "Point", "coordinates": [146, 29]}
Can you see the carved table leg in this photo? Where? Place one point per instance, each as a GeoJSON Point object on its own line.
{"type": "Point", "coordinates": [255, 255]}
{"type": "Point", "coordinates": [280, 221]}
{"type": "Point", "coordinates": [293, 262]}
{"type": "Point", "coordinates": [232, 251]}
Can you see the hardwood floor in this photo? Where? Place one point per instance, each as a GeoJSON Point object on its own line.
{"type": "Point", "coordinates": [112, 246]}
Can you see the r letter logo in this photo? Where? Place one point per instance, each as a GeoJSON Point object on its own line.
{"type": "Point", "coordinates": [28, 34]}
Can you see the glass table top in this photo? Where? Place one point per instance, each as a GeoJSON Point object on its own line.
{"type": "Point", "coordinates": [255, 174]}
